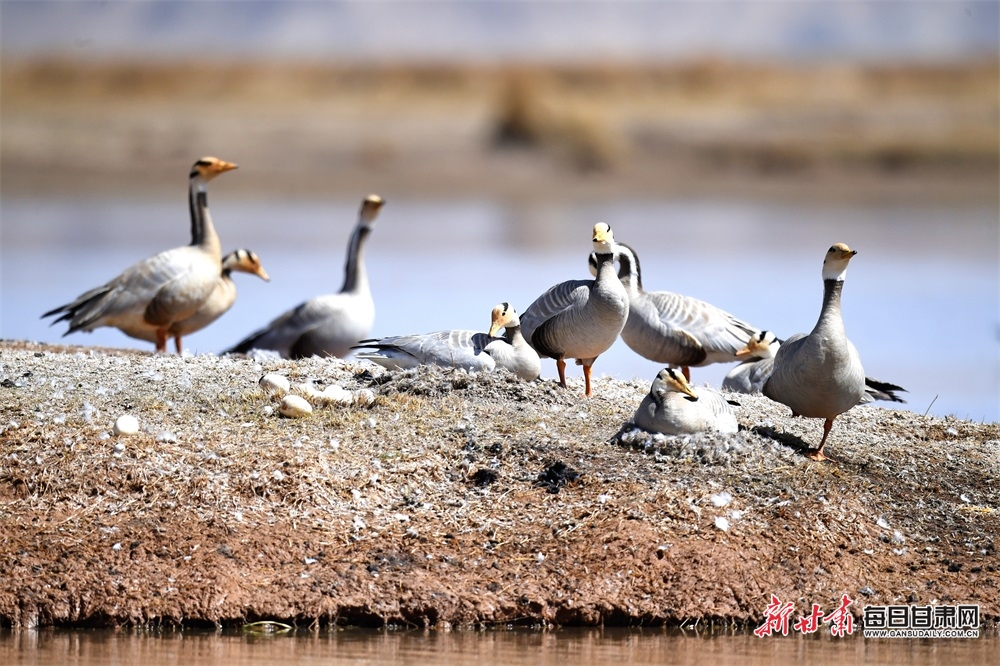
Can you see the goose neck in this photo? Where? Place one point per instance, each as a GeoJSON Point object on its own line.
{"type": "Point", "coordinates": [830, 315]}
{"type": "Point", "coordinates": [202, 230]}
{"type": "Point", "coordinates": [355, 274]}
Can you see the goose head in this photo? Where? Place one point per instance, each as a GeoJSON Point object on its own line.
{"type": "Point", "coordinates": [762, 345]}
{"type": "Point", "coordinates": [503, 316]}
{"type": "Point", "coordinates": [672, 379]}
{"type": "Point", "coordinates": [604, 240]}
{"type": "Point", "coordinates": [835, 263]}
{"type": "Point", "coordinates": [245, 261]}
{"type": "Point", "coordinates": [208, 168]}
{"type": "Point", "coordinates": [370, 208]}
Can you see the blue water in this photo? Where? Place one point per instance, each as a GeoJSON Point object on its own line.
{"type": "Point", "coordinates": [920, 302]}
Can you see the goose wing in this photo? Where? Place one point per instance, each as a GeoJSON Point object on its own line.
{"type": "Point", "coordinates": [695, 330]}
{"type": "Point", "coordinates": [544, 311]}
{"type": "Point", "coordinates": [145, 288]}
{"type": "Point", "coordinates": [452, 349]}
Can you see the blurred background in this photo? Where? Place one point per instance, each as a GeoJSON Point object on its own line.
{"type": "Point", "coordinates": [729, 142]}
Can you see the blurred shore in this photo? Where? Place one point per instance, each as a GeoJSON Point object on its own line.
{"type": "Point", "coordinates": [832, 132]}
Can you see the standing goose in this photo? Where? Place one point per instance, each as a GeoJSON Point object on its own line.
{"type": "Point", "coordinates": [469, 350]}
{"type": "Point", "coordinates": [327, 325]}
{"type": "Point", "coordinates": [819, 375]}
{"type": "Point", "coordinates": [673, 329]}
{"type": "Point", "coordinates": [224, 296]}
{"type": "Point", "coordinates": [749, 376]}
{"type": "Point", "coordinates": [580, 319]}
{"type": "Point", "coordinates": [672, 407]}
{"type": "Point", "coordinates": [164, 289]}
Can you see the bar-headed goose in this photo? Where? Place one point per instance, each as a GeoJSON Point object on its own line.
{"type": "Point", "coordinates": [749, 376]}
{"type": "Point", "coordinates": [470, 350]}
{"type": "Point", "coordinates": [327, 325]}
{"type": "Point", "coordinates": [580, 319]}
{"type": "Point", "coordinates": [673, 407]}
{"type": "Point", "coordinates": [674, 329]}
{"type": "Point", "coordinates": [819, 375]}
{"type": "Point", "coordinates": [164, 289]}
{"type": "Point", "coordinates": [224, 296]}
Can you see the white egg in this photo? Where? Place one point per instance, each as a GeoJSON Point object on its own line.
{"type": "Point", "coordinates": [295, 406]}
{"type": "Point", "coordinates": [338, 395]}
{"type": "Point", "coordinates": [274, 383]}
{"type": "Point", "coordinates": [126, 424]}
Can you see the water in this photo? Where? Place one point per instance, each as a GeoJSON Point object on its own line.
{"type": "Point", "coordinates": [578, 646]}
{"type": "Point", "coordinates": [920, 303]}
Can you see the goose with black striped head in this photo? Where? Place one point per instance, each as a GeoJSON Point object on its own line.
{"type": "Point", "coordinates": [674, 407]}
{"type": "Point", "coordinates": [156, 293]}
{"type": "Point", "coordinates": [472, 351]}
{"type": "Point", "coordinates": [673, 329]}
{"type": "Point", "coordinates": [580, 319]}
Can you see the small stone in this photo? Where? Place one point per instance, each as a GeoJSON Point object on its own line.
{"type": "Point", "coordinates": [274, 383]}
{"type": "Point", "coordinates": [364, 398]}
{"type": "Point", "coordinates": [126, 424]}
{"type": "Point", "coordinates": [722, 499]}
{"type": "Point", "coordinates": [294, 407]}
{"type": "Point", "coordinates": [882, 522]}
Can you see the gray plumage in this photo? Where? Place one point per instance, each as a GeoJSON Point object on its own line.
{"type": "Point", "coordinates": [820, 375]}
{"type": "Point", "coordinates": [472, 351]}
{"type": "Point", "coordinates": [674, 329]}
{"type": "Point", "coordinates": [152, 295]}
{"type": "Point", "coordinates": [750, 376]}
{"type": "Point", "coordinates": [673, 407]}
{"type": "Point", "coordinates": [579, 319]}
{"type": "Point", "coordinates": [327, 325]}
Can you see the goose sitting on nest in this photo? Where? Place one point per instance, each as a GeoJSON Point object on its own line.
{"type": "Point", "coordinates": [673, 407]}
{"type": "Point", "coordinates": [327, 325]}
{"type": "Point", "coordinates": [470, 350]}
{"type": "Point", "coordinates": [580, 319]}
{"type": "Point", "coordinates": [150, 297]}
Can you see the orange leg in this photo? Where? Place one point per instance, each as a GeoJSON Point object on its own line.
{"type": "Point", "coordinates": [561, 365]}
{"type": "Point", "coordinates": [161, 340]}
{"type": "Point", "coordinates": [818, 453]}
{"type": "Point", "coordinates": [586, 379]}
{"type": "Point", "coordinates": [686, 372]}
{"type": "Point", "coordinates": [177, 341]}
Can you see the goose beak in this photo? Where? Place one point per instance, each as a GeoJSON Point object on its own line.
{"type": "Point", "coordinates": [223, 166]}
{"type": "Point", "coordinates": [495, 328]}
{"type": "Point", "coordinates": [742, 352]}
{"type": "Point", "coordinates": [262, 274]}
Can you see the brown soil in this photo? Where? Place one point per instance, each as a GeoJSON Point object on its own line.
{"type": "Point", "coordinates": [457, 500]}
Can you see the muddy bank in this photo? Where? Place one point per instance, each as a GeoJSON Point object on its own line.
{"type": "Point", "coordinates": [455, 500]}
